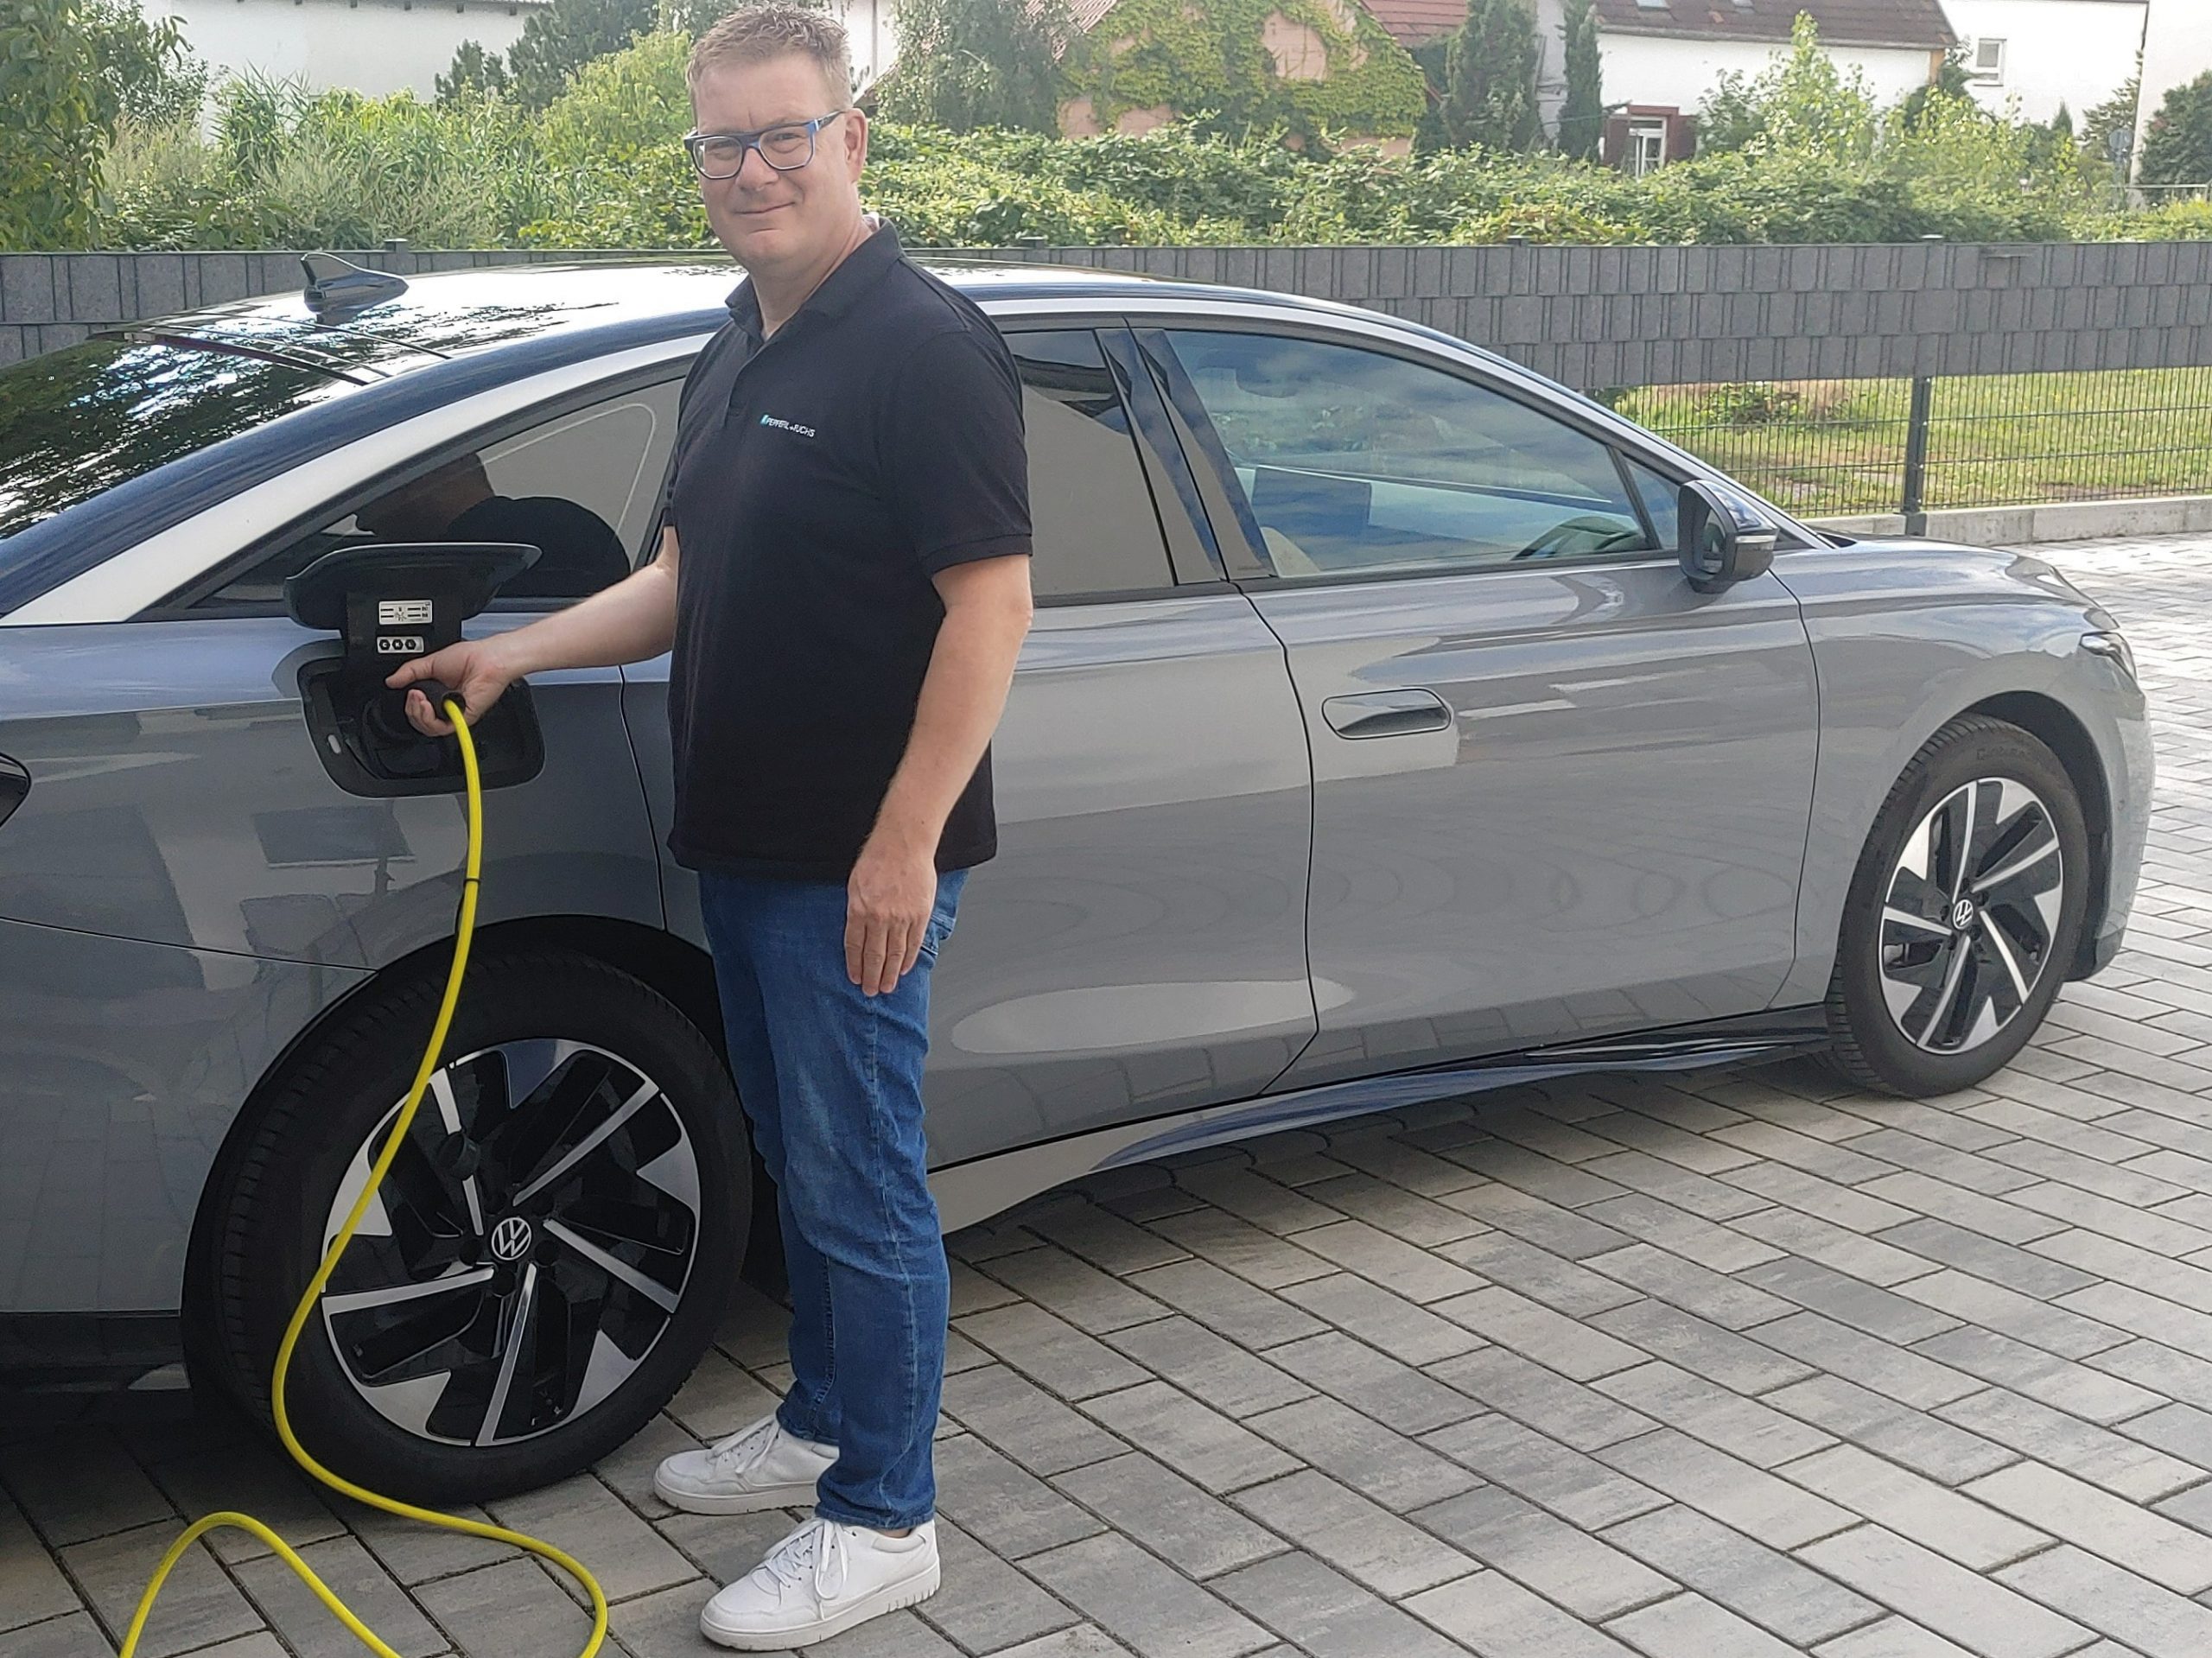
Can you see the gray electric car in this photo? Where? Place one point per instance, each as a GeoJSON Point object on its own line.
{"type": "Point", "coordinates": [1396, 725]}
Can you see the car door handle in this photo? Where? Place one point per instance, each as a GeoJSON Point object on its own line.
{"type": "Point", "coordinates": [1386, 714]}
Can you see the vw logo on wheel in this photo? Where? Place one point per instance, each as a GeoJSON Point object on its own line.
{"type": "Point", "coordinates": [511, 1238]}
{"type": "Point", "coordinates": [1962, 914]}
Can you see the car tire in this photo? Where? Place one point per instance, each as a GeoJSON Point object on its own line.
{"type": "Point", "coordinates": [1964, 913]}
{"type": "Point", "coordinates": [591, 1266]}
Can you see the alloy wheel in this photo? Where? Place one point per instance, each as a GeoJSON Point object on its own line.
{"type": "Point", "coordinates": [1972, 910]}
{"type": "Point", "coordinates": [527, 1250]}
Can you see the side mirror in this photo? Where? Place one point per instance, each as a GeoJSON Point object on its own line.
{"type": "Point", "coordinates": [1723, 540]}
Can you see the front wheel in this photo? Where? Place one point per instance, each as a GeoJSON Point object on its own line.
{"type": "Point", "coordinates": [1964, 910]}
{"type": "Point", "coordinates": [548, 1257]}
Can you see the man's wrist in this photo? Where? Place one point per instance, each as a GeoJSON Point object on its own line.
{"type": "Point", "coordinates": [900, 837]}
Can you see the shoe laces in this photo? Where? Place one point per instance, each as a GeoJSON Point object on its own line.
{"type": "Point", "coordinates": [742, 1450]}
{"type": "Point", "coordinates": [816, 1549]}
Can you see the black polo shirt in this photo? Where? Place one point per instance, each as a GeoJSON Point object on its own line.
{"type": "Point", "coordinates": [822, 478]}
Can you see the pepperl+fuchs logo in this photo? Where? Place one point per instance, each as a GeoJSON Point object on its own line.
{"type": "Point", "coordinates": [787, 426]}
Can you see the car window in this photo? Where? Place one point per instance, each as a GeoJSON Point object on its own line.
{"type": "Point", "coordinates": [1662, 502]}
{"type": "Point", "coordinates": [1093, 526]}
{"type": "Point", "coordinates": [582, 487]}
{"type": "Point", "coordinates": [83, 419]}
{"type": "Point", "coordinates": [1354, 462]}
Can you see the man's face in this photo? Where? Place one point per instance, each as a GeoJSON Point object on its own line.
{"type": "Point", "coordinates": [766, 217]}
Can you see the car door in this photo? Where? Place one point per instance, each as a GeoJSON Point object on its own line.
{"type": "Point", "coordinates": [1137, 947]}
{"type": "Point", "coordinates": [1557, 792]}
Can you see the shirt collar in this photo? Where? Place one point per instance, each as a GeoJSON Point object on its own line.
{"type": "Point", "coordinates": [835, 295]}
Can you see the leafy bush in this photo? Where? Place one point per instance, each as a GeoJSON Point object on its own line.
{"type": "Point", "coordinates": [2177, 145]}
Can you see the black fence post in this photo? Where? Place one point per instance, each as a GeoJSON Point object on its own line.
{"type": "Point", "coordinates": [1916, 455]}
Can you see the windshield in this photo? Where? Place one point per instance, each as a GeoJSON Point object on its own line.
{"type": "Point", "coordinates": [81, 420]}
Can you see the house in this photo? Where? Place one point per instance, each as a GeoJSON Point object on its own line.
{"type": "Point", "coordinates": [385, 46]}
{"type": "Point", "coordinates": [2042, 55]}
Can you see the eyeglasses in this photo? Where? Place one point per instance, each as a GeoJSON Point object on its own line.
{"type": "Point", "coordinates": [787, 148]}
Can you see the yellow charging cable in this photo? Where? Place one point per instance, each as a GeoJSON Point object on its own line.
{"type": "Point", "coordinates": [464, 931]}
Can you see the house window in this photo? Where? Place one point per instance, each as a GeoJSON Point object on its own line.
{"type": "Point", "coordinates": [1647, 145]}
{"type": "Point", "coordinates": [1989, 61]}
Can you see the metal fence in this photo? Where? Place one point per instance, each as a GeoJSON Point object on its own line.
{"type": "Point", "coordinates": [1826, 447]}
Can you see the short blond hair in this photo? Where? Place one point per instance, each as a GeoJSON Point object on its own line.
{"type": "Point", "coordinates": [760, 34]}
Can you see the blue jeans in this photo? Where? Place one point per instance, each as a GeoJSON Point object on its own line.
{"type": "Point", "coordinates": [832, 1081]}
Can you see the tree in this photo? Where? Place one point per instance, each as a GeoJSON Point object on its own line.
{"type": "Point", "coordinates": [1489, 86]}
{"type": "Point", "coordinates": [474, 72]}
{"type": "Point", "coordinates": [1801, 103]}
{"type": "Point", "coordinates": [568, 34]}
{"type": "Point", "coordinates": [2113, 119]}
{"type": "Point", "coordinates": [1582, 115]}
{"type": "Point", "coordinates": [1952, 80]}
{"type": "Point", "coordinates": [965, 64]}
{"type": "Point", "coordinates": [2177, 147]}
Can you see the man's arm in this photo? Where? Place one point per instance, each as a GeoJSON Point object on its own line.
{"type": "Point", "coordinates": [893, 885]}
{"type": "Point", "coordinates": [630, 621]}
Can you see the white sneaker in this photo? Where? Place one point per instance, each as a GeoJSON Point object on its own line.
{"type": "Point", "coordinates": [820, 1581]}
{"type": "Point", "coordinates": [756, 1468]}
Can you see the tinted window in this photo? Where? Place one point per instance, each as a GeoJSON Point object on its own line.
{"type": "Point", "coordinates": [1356, 461]}
{"type": "Point", "coordinates": [1093, 524]}
{"type": "Point", "coordinates": [583, 488]}
{"type": "Point", "coordinates": [1661, 500]}
{"type": "Point", "coordinates": [76, 422]}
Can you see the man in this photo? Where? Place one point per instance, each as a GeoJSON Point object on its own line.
{"type": "Point", "coordinates": [851, 505]}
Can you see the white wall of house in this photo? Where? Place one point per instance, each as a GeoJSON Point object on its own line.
{"type": "Point", "coordinates": [371, 46]}
{"type": "Point", "coordinates": [2047, 52]}
{"type": "Point", "coordinates": [2177, 49]}
{"type": "Point", "coordinates": [383, 46]}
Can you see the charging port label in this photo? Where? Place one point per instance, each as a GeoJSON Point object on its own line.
{"type": "Point", "coordinates": [403, 612]}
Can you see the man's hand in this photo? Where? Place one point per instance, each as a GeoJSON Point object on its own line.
{"type": "Point", "coordinates": [477, 670]}
{"type": "Point", "coordinates": [888, 899]}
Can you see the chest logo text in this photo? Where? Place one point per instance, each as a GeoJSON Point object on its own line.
{"type": "Point", "coordinates": [787, 426]}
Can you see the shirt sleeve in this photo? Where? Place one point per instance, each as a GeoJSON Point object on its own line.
{"type": "Point", "coordinates": [954, 458]}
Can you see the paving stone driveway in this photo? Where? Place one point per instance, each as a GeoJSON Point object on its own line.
{"type": "Point", "coordinates": [1717, 1368]}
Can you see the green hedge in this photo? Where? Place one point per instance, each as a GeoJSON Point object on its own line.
{"type": "Point", "coordinates": [601, 168]}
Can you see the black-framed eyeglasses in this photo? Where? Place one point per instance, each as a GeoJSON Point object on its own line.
{"type": "Point", "coordinates": [786, 148]}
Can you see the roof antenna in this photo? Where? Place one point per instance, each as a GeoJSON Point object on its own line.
{"type": "Point", "coordinates": [338, 290]}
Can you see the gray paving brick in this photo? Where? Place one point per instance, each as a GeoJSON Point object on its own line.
{"type": "Point", "coordinates": [1992, 1306]}
{"type": "Point", "coordinates": [1922, 1195]}
{"type": "Point", "coordinates": [1560, 1284]}
{"type": "Point", "coordinates": [2029, 1371]}
{"type": "Point", "coordinates": [1544, 1224]}
{"type": "Point", "coordinates": [2142, 1615]}
{"type": "Point", "coordinates": [1253, 1253]}
{"type": "Point", "coordinates": [1418, 1220]}
{"type": "Point", "coordinates": [414, 1554]}
{"type": "Point", "coordinates": [1075, 1290]}
{"type": "Point", "coordinates": [76, 1635]}
{"type": "Point", "coordinates": [1697, 1153]}
{"type": "Point", "coordinates": [1892, 1637]}
{"type": "Point", "coordinates": [1729, 1302]}
{"type": "Point", "coordinates": [1327, 1614]}
{"type": "Point", "coordinates": [1961, 1168]}
{"type": "Point", "coordinates": [1395, 1471]}
{"type": "Point", "coordinates": [1404, 1165]}
{"type": "Point", "coordinates": [1391, 1261]}
{"type": "Point", "coordinates": [309, 1629]}
{"type": "Point", "coordinates": [1498, 1619]}
{"type": "Point", "coordinates": [1866, 1257]}
{"type": "Point", "coordinates": [1931, 1514]}
{"type": "Point", "coordinates": [1848, 1301]}
{"type": "Point", "coordinates": [32, 1588]}
{"type": "Point", "coordinates": [1861, 1211]}
{"type": "Point", "coordinates": [1192, 1530]}
{"type": "Point", "coordinates": [2111, 1527]}
{"type": "Point", "coordinates": [1776, 1144]}
{"type": "Point", "coordinates": [1223, 1302]}
{"type": "Point", "coordinates": [1027, 1424]}
{"type": "Point", "coordinates": [582, 1516]}
{"type": "Point", "coordinates": [1084, 1641]}
{"type": "Point", "coordinates": [1365, 1541]}
{"type": "Point", "coordinates": [1406, 1331]}
{"type": "Point", "coordinates": [1726, 1488]}
{"type": "Point", "coordinates": [2181, 1431]}
{"type": "Point", "coordinates": [2120, 1464]}
{"type": "Point", "coordinates": [1678, 1231]}
{"type": "Point", "coordinates": [1374, 1383]}
{"type": "Point", "coordinates": [1758, 1583]}
{"type": "Point", "coordinates": [1008, 1509]}
{"type": "Point", "coordinates": [254, 1478]}
{"type": "Point", "coordinates": [2094, 1213]}
{"type": "Point", "coordinates": [1910, 1378]}
{"type": "Point", "coordinates": [981, 1602]}
{"type": "Point", "coordinates": [1207, 1366]}
{"type": "Point", "coordinates": [2129, 1185]}
{"type": "Point", "coordinates": [1197, 1441]}
{"type": "Point", "coordinates": [1743, 1427]}
{"type": "Point", "coordinates": [1566, 1564]}
{"type": "Point", "coordinates": [1575, 1486]}
{"type": "Point", "coordinates": [1104, 1238]}
{"type": "Point", "coordinates": [1568, 1345]}
{"type": "Point", "coordinates": [1569, 1412]}
{"type": "Point", "coordinates": [719, 1399]}
{"type": "Point", "coordinates": [1050, 1351]}
{"type": "Point", "coordinates": [1706, 1349]}
{"type": "Point", "coordinates": [1251, 1196]}
{"type": "Point", "coordinates": [1662, 1180]}
{"type": "Point", "coordinates": [79, 1487]}
{"type": "Point", "coordinates": [1149, 1608]}
{"type": "Point", "coordinates": [1690, 1626]}
{"type": "Point", "coordinates": [199, 1604]}
{"type": "Point", "coordinates": [1963, 1607]}
{"type": "Point", "coordinates": [2159, 1370]}
{"type": "Point", "coordinates": [973, 1293]}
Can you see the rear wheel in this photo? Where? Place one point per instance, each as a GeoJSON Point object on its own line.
{"type": "Point", "coordinates": [1966, 907]}
{"type": "Point", "coordinates": [547, 1259]}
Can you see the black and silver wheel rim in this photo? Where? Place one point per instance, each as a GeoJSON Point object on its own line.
{"type": "Point", "coordinates": [526, 1251]}
{"type": "Point", "coordinates": [1971, 915]}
